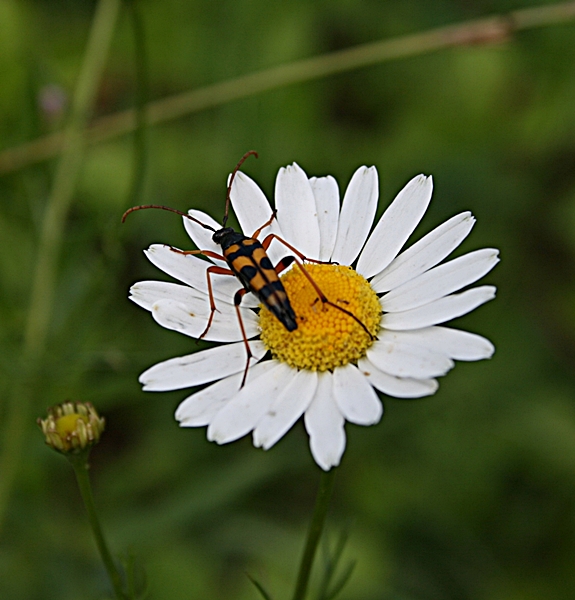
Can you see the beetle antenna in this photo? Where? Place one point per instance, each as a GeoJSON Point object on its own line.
{"type": "Point", "coordinates": [174, 210]}
{"type": "Point", "coordinates": [240, 163]}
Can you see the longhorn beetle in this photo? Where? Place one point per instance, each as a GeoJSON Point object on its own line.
{"type": "Point", "coordinates": [247, 260]}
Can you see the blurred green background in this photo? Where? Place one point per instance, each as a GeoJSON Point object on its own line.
{"type": "Point", "coordinates": [467, 495]}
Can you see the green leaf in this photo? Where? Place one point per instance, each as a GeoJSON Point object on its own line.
{"type": "Point", "coordinates": [259, 587]}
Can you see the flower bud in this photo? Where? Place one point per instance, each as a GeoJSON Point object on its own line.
{"type": "Point", "coordinates": [72, 427]}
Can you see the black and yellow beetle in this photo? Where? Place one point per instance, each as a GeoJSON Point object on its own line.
{"type": "Point", "coordinates": [247, 260]}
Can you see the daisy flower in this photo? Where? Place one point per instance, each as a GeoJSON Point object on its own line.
{"type": "Point", "coordinates": [386, 335]}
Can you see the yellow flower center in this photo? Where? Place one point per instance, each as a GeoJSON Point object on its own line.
{"type": "Point", "coordinates": [327, 336]}
{"type": "Point", "coordinates": [66, 425]}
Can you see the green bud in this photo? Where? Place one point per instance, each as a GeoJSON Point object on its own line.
{"type": "Point", "coordinates": [72, 427]}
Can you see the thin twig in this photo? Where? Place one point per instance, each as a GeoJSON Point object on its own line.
{"type": "Point", "coordinates": [493, 29]}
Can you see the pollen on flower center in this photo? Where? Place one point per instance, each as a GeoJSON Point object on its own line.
{"type": "Point", "coordinates": [326, 337]}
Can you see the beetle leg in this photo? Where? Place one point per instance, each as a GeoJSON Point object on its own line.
{"type": "Point", "coordinates": [208, 253]}
{"type": "Point", "coordinates": [284, 263]}
{"type": "Point", "coordinates": [272, 236]}
{"type": "Point", "coordinates": [268, 222]}
{"type": "Point", "coordinates": [237, 300]}
{"type": "Point", "coordinates": [325, 300]}
{"type": "Point", "coordinates": [209, 271]}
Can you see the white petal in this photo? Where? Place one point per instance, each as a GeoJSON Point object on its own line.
{"type": "Point", "coordinates": [200, 408]}
{"type": "Point", "coordinates": [457, 344]}
{"type": "Point", "coordinates": [192, 270]}
{"type": "Point", "coordinates": [249, 203]}
{"type": "Point", "coordinates": [395, 226]}
{"type": "Point", "coordinates": [201, 236]}
{"type": "Point", "coordinates": [242, 413]}
{"type": "Point", "coordinates": [398, 387]}
{"type": "Point", "coordinates": [200, 367]}
{"type": "Point", "coordinates": [325, 425]}
{"type": "Point", "coordinates": [147, 293]}
{"type": "Point", "coordinates": [286, 409]}
{"type": "Point", "coordinates": [248, 301]}
{"type": "Point", "coordinates": [326, 194]}
{"type": "Point", "coordinates": [407, 360]}
{"type": "Point", "coordinates": [439, 311]}
{"type": "Point", "coordinates": [192, 319]}
{"type": "Point", "coordinates": [355, 397]}
{"type": "Point", "coordinates": [297, 212]}
{"type": "Point", "coordinates": [185, 267]}
{"type": "Point", "coordinates": [429, 251]}
{"type": "Point", "coordinates": [441, 281]}
{"type": "Point", "coordinates": [357, 213]}
{"type": "Point", "coordinates": [253, 210]}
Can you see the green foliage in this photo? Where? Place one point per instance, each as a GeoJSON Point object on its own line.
{"type": "Point", "coordinates": [259, 587]}
{"type": "Point", "coordinates": [468, 495]}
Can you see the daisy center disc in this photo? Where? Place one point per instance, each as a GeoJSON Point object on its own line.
{"type": "Point", "coordinates": [327, 336]}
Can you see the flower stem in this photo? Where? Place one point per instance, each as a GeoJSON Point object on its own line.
{"type": "Point", "coordinates": [81, 470]}
{"type": "Point", "coordinates": [314, 532]}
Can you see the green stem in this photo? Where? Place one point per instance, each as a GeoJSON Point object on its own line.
{"type": "Point", "coordinates": [50, 243]}
{"type": "Point", "coordinates": [81, 470]}
{"type": "Point", "coordinates": [67, 172]}
{"type": "Point", "coordinates": [314, 532]}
